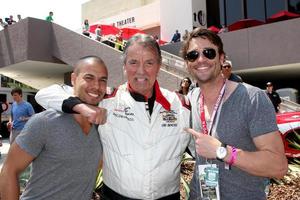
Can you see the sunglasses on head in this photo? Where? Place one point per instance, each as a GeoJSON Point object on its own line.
{"type": "Point", "coordinates": [208, 53]}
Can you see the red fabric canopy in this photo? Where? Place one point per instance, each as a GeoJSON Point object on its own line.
{"type": "Point", "coordinates": [128, 32]}
{"type": "Point", "coordinates": [282, 15]}
{"type": "Point", "coordinates": [109, 30]}
{"type": "Point", "coordinates": [213, 29]}
{"type": "Point", "coordinates": [244, 23]}
{"type": "Point", "coordinates": [105, 29]}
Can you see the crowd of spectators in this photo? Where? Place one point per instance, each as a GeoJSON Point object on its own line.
{"type": "Point", "coordinates": [9, 21]}
{"type": "Point", "coordinates": [116, 41]}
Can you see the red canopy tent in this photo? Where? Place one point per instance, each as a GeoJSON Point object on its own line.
{"type": "Point", "coordinates": [213, 29]}
{"type": "Point", "coordinates": [109, 30]}
{"type": "Point", "coordinates": [93, 28]}
{"type": "Point", "coordinates": [129, 31]}
{"type": "Point", "coordinates": [244, 23]}
{"type": "Point", "coordinates": [105, 29]}
{"type": "Point", "coordinates": [282, 15]}
{"type": "Point", "coordinates": [289, 124]}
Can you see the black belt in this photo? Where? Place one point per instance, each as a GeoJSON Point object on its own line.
{"type": "Point", "coordinates": [108, 194]}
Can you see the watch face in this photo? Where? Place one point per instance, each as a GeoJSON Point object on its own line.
{"type": "Point", "coordinates": [221, 152]}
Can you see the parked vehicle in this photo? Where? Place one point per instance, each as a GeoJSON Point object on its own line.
{"type": "Point", "coordinates": [290, 94]}
{"type": "Point", "coordinates": [289, 126]}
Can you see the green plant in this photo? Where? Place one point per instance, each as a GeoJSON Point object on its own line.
{"type": "Point", "coordinates": [99, 180]}
{"type": "Point", "coordinates": [185, 159]}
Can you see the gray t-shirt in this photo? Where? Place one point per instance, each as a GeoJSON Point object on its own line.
{"type": "Point", "coordinates": [66, 160]}
{"type": "Point", "coordinates": [246, 114]}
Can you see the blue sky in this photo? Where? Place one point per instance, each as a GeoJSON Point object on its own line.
{"type": "Point", "coordinates": [66, 12]}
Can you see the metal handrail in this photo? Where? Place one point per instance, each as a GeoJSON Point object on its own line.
{"type": "Point", "coordinates": [173, 61]}
{"type": "Point", "coordinates": [287, 105]}
{"type": "Point", "coordinates": [171, 55]}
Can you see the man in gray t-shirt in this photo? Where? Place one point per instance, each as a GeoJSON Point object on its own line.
{"type": "Point", "coordinates": [66, 160]}
{"type": "Point", "coordinates": [64, 149]}
{"type": "Point", "coordinates": [237, 141]}
{"type": "Point", "coordinates": [245, 115]}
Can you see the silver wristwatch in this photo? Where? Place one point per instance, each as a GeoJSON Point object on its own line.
{"type": "Point", "coordinates": [221, 152]}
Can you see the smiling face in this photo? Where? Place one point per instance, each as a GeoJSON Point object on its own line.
{"type": "Point", "coordinates": [142, 65]}
{"type": "Point", "coordinates": [204, 69]}
{"type": "Point", "coordinates": [90, 81]}
{"type": "Point", "coordinates": [185, 83]}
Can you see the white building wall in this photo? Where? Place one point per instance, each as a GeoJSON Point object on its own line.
{"type": "Point", "coordinates": [143, 17]}
{"type": "Point", "coordinates": [94, 10]}
{"type": "Point", "coordinates": [175, 15]}
{"type": "Point", "coordinates": [169, 15]}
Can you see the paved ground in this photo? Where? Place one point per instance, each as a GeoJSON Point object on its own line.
{"type": "Point", "coordinates": [4, 150]}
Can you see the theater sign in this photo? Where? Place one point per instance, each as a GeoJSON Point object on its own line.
{"type": "Point", "coordinates": [143, 17]}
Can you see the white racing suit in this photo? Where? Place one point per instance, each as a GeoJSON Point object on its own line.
{"type": "Point", "coordinates": [142, 153]}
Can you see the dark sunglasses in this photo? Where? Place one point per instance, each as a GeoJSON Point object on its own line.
{"type": "Point", "coordinates": [209, 53]}
{"type": "Point", "coordinates": [226, 66]}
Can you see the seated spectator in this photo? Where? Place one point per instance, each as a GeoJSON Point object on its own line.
{"type": "Point", "coordinates": [98, 33]}
{"type": "Point", "coordinates": [2, 23]}
{"type": "Point", "coordinates": [185, 85]}
{"type": "Point", "coordinates": [10, 20]}
{"type": "Point", "coordinates": [86, 28]}
{"type": "Point", "coordinates": [186, 33]}
{"type": "Point", "coordinates": [176, 37]}
{"type": "Point", "coordinates": [49, 18]}
{"type": "Point", "coordinates": [226, 71]}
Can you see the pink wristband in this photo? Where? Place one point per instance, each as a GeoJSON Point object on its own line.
{"type": "Point", "coordinates": [233, 156]}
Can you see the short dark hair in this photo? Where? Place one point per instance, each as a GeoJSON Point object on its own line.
{"type": "Point", "coordinates": [16, 90]}
{"type": "Point", "coordinates": [96, 59]}
{"type": "Point", "coordinates": [205, 34]}
{"type": "Point", "coordinates": [186, 78]}
{"type": "Point", "coordinates": [180, 86]}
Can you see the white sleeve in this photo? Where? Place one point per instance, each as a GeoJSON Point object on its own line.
{"type": "Point", "coordinates": [53, 96]}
